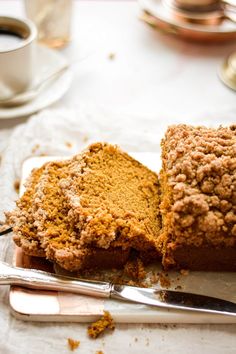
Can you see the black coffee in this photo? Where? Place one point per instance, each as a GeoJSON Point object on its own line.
{"type": "Point", "coordinates": [9, 40]}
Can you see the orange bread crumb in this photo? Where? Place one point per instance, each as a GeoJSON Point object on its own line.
{"type": "Point", "coordinates": [105, 322]}
{"type": "Point", "coordinates": [135, 269]}
{"type": "Point", "coordinates": [73, 344]}
{"type": "Point", "coordinates": [164, 280]}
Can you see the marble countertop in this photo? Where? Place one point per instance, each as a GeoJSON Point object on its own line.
{"type": "Point", "coordinates": [152, 81]}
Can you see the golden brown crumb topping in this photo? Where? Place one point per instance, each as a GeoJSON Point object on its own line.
{"type": "Point", "coordinates": [51, 208]}
{"type": "Point", "coordinates": [58, 235]}
{"type": "Point", "coordinates": [98, 327]}
{"type": "Point", "coordinates": [22, 219]}
{"type": "Point", "coordinates": [198, 182]}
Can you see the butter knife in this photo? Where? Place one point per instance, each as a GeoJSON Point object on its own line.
{"type": "Point", "coordinates": [168, 299]}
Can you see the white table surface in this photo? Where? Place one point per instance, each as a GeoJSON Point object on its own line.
{"type": "Point", "coordinates": [157, 79]}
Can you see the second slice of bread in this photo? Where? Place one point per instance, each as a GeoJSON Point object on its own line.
{"type": "Point", "coordinates": [102, 199]}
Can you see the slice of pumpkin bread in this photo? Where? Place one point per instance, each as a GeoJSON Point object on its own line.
{"type": "Point", "coordinates": [41, 216]}
{"type": "Point", "coordinates": [114, 199]}
{"type": "Point", "coordinates": [102, 200]}
{"type": "Point", "coordinates": [198, 186]}
{"type": "Point", "coordinates": [92, 210]}
{"type": "Point", "coordinates": [57, 233]}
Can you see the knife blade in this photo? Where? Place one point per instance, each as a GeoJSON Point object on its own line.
{"type": "Point", "coordinates": [171, 299]}
{"type": "Point", "coordinates": [161, 298]}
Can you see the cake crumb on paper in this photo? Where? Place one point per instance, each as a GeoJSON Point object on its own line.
{"type": "Point", "coordinates": [178, 287]}
{"type": "Point", "coordinates": [184, 271]}
{"type": "Point", "coordinates": [17, 185]}
{"type": "Point", "coordinates": [154, 278]}
{"type": "Point", "coordinates": [73, 344]}
{"type": "Point", "coordinates": [98, 327]}
{"type": "Point", "coordinates": [164, 280]}
{"type": "Point", "coordinates": [68, 144]}
{"type": "Point", "coordinates": [99, 352]}
{"type": "Point", "coordinates": [35, 148]}
{"type": "Point", "coordinates": [140, 284]}
{"type": "Point", "coordinates": [85, 138]}
{"type": "Point", "coordinates": [135, 269]}
{"type": "Point", "coordinates": [111, 56]}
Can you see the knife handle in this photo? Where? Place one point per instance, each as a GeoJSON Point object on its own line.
{"type": "Point", "coordinates": [36, 279]}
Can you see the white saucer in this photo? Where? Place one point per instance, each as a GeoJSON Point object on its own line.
{"type": "Point", "coordinates": [48, 60]}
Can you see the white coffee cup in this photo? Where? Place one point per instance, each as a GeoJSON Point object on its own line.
{"type": "Point", "coordinates": [17, 55]}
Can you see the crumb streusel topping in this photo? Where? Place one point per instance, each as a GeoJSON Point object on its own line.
{"type": "Point", "coordinates": [22, 218]}
{"type": "Point", "coordinates": [198, 182]}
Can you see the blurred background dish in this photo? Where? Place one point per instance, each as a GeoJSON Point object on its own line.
{"type": "Point", "coordinates": [48, 61]}
{"type": "Point", "coordinates": [205, 12]}
{"type": "Point", "coordinates": [227, 72]}
{"type": "Point", "coordinates": [52, 19]}
{"type": "Point", "coordinates": [160, 15]}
